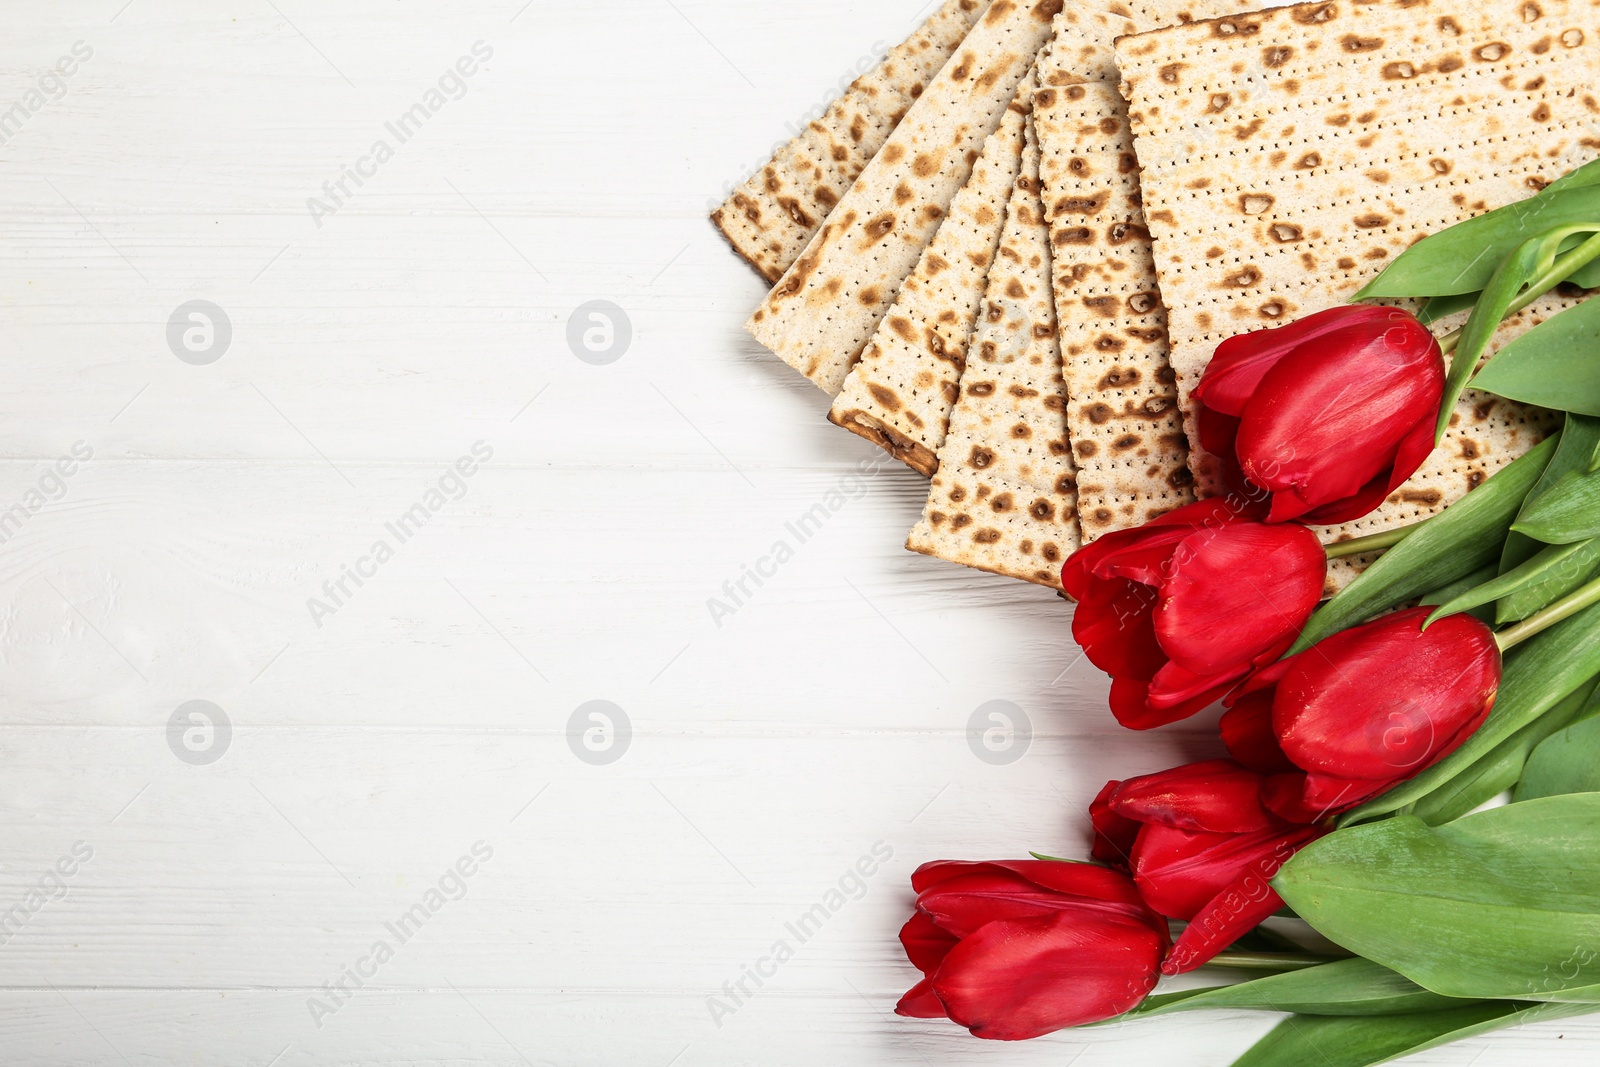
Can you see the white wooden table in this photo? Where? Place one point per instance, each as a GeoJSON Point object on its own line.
{"type": "Point", "coordinates": [375, 739]}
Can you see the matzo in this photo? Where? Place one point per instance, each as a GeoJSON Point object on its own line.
{"type": "Point", "coordinates": [769, 219]}
{"type": "Point", "coordinates": [1002, 499]}
{"type": "Point", "coordinates": [1288, 155]}
{"type": "Point", "coordinates": [827, 305]}
{"type": "Point", "coordinates": [1126, 429]}
{"type": "Point", "coordinates": [899, 394]}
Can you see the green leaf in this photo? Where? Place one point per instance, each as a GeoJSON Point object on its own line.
{"type": "Point", "coordinates": [1439, 596]}
{"type": "Point", "coordinates": [1499, 769]}
{"type": "Point", "coordinates": [1568, 512]}
{"type": "Point", "coordinates": [1588, 174]}
{"type": "Point", "coordinates": [1580, 441]}
{"type": "Point", "coordinates": [1501, 904]}
{"type": "Point", "coordinates": [1525, 263]}
{"type": "Point", "coordinates": [1551, 574]}
{"type": "Point", "coordinates": [1305, 1041]}
{"type": "Point", "coordinates": [1442, 307]}
{"type": "Point", "coordinates": [1539, 674]}
{"type": "Point", "coordinates": [1345, 987]}
{"type": "Point", "coordinates": [1464, 537]}
{"type": "Point", "coordinates": [1568, 761]}
{"type": "Point", "coordinates": [1551, 365]}
{"type": "Point", "coordinates": [1581, 565]}
{"type": "Point", "coordinates": [1446, 593]}
{"type": "Point", "coordinates": [1462, 258]}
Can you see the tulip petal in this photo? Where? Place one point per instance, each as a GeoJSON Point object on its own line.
{"type": "Point", "coordinates": [1247, 732]}
{"type": "Point", "coordinates": [1079, 879]}
{"type": "Point", "coordinates": [1218, 432]}
{"type": "Point", "coordinates": [925, 942]}
{"type": "Point", "coordinates": [1218, 796]}
{"type": "Point", "coordinates": [1023, 978]}
{"type": "Point", "coordinates": [1206, 513]}
{"type": "Point", "coordinates": [1179, 872]}
{"type": "Point", "coordinates": [1112, 623]}
{"type": "Point", "coordinates": [1145, 556]}
{"type": "Point", "coordinates": [1240, 362]}
{"type": "Point", "coordinates": [1311, 798]}
{"type": "Point", "coordinates": [1114, 834]}
{"type": "Point", "coordinates": [1385, 700]}
{"type": "Point", "coordinates": [1241, 906]}
{"type": "Point", "coordinates": [1362, 502]}
{"type": "Point", "coordinates": [920, 1002]}
{"type": "Point", "coordinates": [963, 904]}
{"type": "Point", "coordinates": [1236, 592]}
{"type": "Point", "coordinates": [1131, 705]}
{"type": "Point", "coordinates": [933, 872]}
{"type": "Point", "coordinates": [1330, 416]}
{"type": "Point", "coordinates": [1218, 926]}
{"type": "Point", "coordinates": [1014, 889]}
{"type": "Point", "coordinates": [1413, 452]}
{"type": "Point", "coordinates": [1175, 687]}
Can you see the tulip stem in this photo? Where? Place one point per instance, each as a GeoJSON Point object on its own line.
{"type": "Point", "coordinates": [1563, 268]}
{"type": "Point", "coordinates": [1563, 609]}
{"type": "Point", "coordinates": [1372, 542]}
{"type": "Point", "coordinates": [1269, 961]}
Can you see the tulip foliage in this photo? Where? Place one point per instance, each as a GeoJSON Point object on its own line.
{"type": "Point", "coordinates": [1366, 737]}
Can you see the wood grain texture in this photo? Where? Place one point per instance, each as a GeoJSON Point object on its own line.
{"type": "Point", "coordinates": [827, 712]}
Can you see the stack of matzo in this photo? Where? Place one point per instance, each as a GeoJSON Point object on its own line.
{"type": "Point", "coordinates": [775, 213]}
{"type": "Point", "coordinates": [900, 392]}
{"type": "Point", "coordinates": [1012, 310]}
{"type": "Point", "coordinates": [825, 308]}
{"type": "Point", "coordinates": [1122, 415]}
{"type": "Point", "coordinates": [1003, 497]}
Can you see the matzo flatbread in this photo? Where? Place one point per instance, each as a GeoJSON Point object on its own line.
{"type": "Point", "coordinates": [1127, 431]}
{"type": "Point", "coordinates": [899, 394]}
{"type": "Point", "coordinates": [1002, 498]}
{"type": "Point", "coordinates": [827, 305]}
{"type": "Point", "coordinates": [769, 219]}
{"type": "Point", "coordinates": [1288, 155]}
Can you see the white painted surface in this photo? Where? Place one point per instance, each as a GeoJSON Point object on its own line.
{"type": "Point", "coordinates": [429, 712]}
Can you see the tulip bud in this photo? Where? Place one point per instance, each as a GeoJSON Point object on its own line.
{"type": "Point", "coordinates": [1018, 949]}
{"type": "Point", "coordinates": [1370, 707]}
{"type": "Point", "coordinates": [1328, 415]}
{"type": "Point", "coordinates": [1205, 851]}
{"type": "Point", "coordinates": [1181, 609]}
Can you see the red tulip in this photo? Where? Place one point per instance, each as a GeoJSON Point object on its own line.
{"type": "Point", "coordinates": [1328, 415]}
{"type": "Point", "coordinates": [1365, 709]}
{"type": "Point", "coordinates": [1181, 609]}
{"type": "Point", "coordinates": [1017, 949]}
{"type": "Point", "coordinates": [1204, 849]}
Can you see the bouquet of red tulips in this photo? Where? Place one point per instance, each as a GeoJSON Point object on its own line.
{"type": "Point", "coordinates": [1366, 736]}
